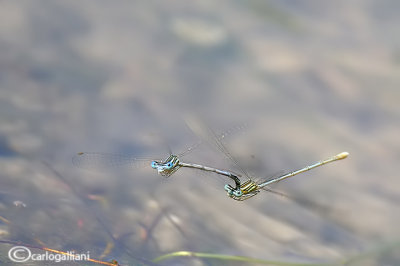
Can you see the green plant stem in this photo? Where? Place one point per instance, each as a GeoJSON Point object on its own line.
{"type": "Point", "coordinates": [233, 258]}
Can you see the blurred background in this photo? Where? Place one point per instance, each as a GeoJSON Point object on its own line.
{"type": "Point", "coordinates": [309, 79]}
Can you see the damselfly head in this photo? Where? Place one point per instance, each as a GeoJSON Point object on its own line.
{"type": "Point", "coordinates": [229, 190]}
{"type": "Point", "coordinates": [232, 192]}
{"type": "Point", "coordinates": [168, 167]}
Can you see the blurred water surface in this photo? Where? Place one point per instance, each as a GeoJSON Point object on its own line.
{"type": "Point", "coordinates": [310, 78]}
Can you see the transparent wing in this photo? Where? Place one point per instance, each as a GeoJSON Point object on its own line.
{"type": "Point", "coordinates": [208, 135]}
{"type": "Point", "coordinates": [100, 161]}
{"type": "Point", "coordinates": [231, 131]}
{"type": "Point", "coordinates": [279, 193]}
{"type": "Point", "coordinates": [303, 202]}
{"type": "Point", "coordinates": [270, 177]}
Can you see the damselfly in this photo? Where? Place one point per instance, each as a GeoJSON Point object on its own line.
{"type": "Point", "coordinates": [164, 167]}
{"type": "Point", "coordinates": [249, 187]}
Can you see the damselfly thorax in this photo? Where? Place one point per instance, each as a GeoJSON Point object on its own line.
{"type": "Point", "coordinates": [168, 166]}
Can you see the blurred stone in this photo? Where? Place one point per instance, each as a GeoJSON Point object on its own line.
{"type": "Point", "coordinates": [5, 149]}
{"type": "Point", "coordinates": [19, 204]}
{"type": "Point", "coordinates": [25, 143]}
{"type": "Point", "coordinates": [199, 32]}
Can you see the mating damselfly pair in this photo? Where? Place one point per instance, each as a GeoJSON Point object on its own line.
{"type": "Point", "coordinates": [240, 191]}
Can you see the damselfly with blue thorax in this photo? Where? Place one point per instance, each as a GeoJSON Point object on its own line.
{"type": "Point", "coordinates": [165, 167]}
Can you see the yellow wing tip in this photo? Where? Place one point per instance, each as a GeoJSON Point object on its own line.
{"type": "Point", "coordinates": [80, 153]}
{"type": "Point", "coordinates": [342, 155]}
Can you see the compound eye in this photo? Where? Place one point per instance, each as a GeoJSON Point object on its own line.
{"type": "Point", "coordinates": [153, 165]}
{"type": "Point", "coordinates": [238, 193]}
{"type": "Point", "coordinates": [227, 188]}
{"type": "Point", "coordinates": [169, 165]}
